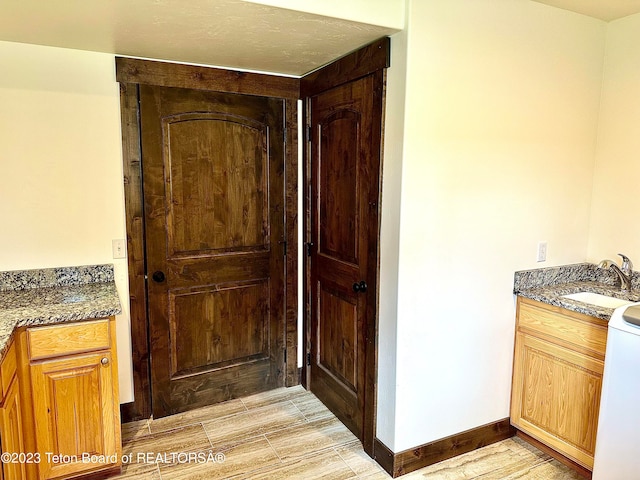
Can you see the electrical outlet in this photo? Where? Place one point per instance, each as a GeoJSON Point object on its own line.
{"type": "Point", "coordinates": [119, 249]}
{"type": "Point", "coordinates": [542, 251]}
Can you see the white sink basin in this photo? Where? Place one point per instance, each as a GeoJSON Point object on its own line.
{"type": "Point", "coordinates": [597, 299]}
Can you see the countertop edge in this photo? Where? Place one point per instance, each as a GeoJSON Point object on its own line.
{"type": "Point", "coordinates": [104, 303]}
{"type": "Point", "coordinates": [553, 295]}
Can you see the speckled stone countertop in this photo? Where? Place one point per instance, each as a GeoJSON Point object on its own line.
{"type": "Point", "coordinates": [55, 295]}
{"type": "Point", "coordinates": [547, 285]}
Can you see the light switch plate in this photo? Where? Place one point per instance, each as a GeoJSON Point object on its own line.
{"type": "Point", "coordinates": [542, 251]}
{"type": "Point", "coordinates": [119, 248]}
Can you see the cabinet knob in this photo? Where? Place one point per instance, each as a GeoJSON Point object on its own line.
{"type": "Point", "coordinates": [104, 361]}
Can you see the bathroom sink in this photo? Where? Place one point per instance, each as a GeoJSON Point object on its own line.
{"type": "Point", "coordinates": [597, 299]}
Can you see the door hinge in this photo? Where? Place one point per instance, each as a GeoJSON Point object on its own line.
{"type": "Point", "coordinates": [285, 134]}
{"type": "Point", "coordinates": [308, 358]}
{"type": "Point", "coordinates": [285, 355]}
{"type": "Point", "coordinates": [284, 247]}
{"type": "Point", "coordinates": [308, 133]}
{"type": "Point", "coordinates": [309, 245]}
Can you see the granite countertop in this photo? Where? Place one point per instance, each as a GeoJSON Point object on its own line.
{"type": "Point", "coordinates": [50, 296]}
{"type": "Point", "coordinates": [553, 295]}
{"type": "Point", "coordinates": [547, 285]}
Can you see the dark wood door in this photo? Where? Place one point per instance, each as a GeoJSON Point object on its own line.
{"type": "Point", "coordinates": [345, 171]}
{"type": "Point", "coordinates": [214, 230]}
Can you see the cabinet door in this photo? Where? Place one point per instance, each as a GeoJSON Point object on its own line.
{"type": "Point", "coordinates": [11, 431]}
{"type": "Point", "coordinates": [556, 396]}
{"type": "Point", "coordinates": [75, 413]}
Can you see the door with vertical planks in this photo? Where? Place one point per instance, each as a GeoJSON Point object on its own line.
{"type": "Point", "coordinates": [213, 186]}
{"type": "Point", "coordinates": [345, 132]}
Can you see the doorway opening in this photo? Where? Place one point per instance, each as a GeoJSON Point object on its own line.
{"type": "Point", "coordinates": [333, 125]}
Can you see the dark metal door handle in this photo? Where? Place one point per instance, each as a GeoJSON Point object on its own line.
{"type": "Point", "coordinates": [158, 276]}
{"type": "Point", "coordinates": [360, 287]}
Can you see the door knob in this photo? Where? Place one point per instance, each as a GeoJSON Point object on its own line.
{"type": "Point", "coordinates": [158, 276]}
{"type": "Point", "coordinates": [360, 287]}
{"type": "Point", "coordinates": [104, 361]}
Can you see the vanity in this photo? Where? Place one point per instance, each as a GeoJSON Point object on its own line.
{"type": "Point", "coordinates": [59, 409]}
{"type": "Point", "coordinates": [560, 345]}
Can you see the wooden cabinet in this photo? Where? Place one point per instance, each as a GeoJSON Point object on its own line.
{"type": "Point", "coordinates": [11, 431]}
{"type": "Point", "coordinates": [557, 377]}
{"type": "Point", "coordinates": [74, 386]}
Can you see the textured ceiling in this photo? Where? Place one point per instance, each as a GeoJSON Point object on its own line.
{"type": "Point", "coordinates": [229, 33]}
{"type": "Point", "coordinates": [606, 10]}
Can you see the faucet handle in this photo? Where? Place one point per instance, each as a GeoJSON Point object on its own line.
{"type": "Point", "coordinates": [627, 266]}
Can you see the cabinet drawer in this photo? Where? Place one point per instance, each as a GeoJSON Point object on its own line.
{"type": "Point", "coordinates": [579, 331]}
{"type": "Point", "coordinates": [7, 370]}
{"type": "Point", "coordinates": [57, 340]}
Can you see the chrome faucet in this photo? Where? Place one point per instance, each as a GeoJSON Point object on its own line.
{"type": "Point", "coordinates": [625, 272]}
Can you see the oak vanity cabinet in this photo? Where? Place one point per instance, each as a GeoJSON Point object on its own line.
{"type": "Point", "coordinates": [11, 431]}
{"type": "Point", "coordinates": [74, 387]}
{"type": "Point", "coordinates": [557, 377]}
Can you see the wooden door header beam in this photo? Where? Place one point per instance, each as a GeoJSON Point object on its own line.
{"type": "Point", "coordinates": [352, 66]}
{"type": "Point", "coordinates": [148, 72]}
{"type": "Point", "coordinates": [360, 63]}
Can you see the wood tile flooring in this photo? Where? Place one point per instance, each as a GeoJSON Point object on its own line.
{"type": "Point", "coordinates": [289, 434]}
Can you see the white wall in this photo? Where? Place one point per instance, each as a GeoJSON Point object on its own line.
{"type": "Point", "coordinates": [499, 144]}
{"type": "Point", "coordinates": [390, 237]}
{"type": "Point", "coordinates": [615, 201]}
{"type": "Point", "coordinates": [61, 189]}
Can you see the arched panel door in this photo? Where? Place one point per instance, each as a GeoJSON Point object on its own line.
{"type": "Point", "coordinates": [214, 222]}
{"type": "Point", "coordinates": [345, 173]}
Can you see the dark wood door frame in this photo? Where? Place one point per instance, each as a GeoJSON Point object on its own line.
{"type": "Point", "coordinates": [372, 59]}
{"type": "Point", "coordinates": [130, 73]}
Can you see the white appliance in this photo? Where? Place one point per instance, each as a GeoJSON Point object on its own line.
{"type": "Point", "coordinates": [617, 455]}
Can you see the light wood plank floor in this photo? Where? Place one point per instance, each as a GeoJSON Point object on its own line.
{"type": "Point", "coordinates": [289, 434]}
